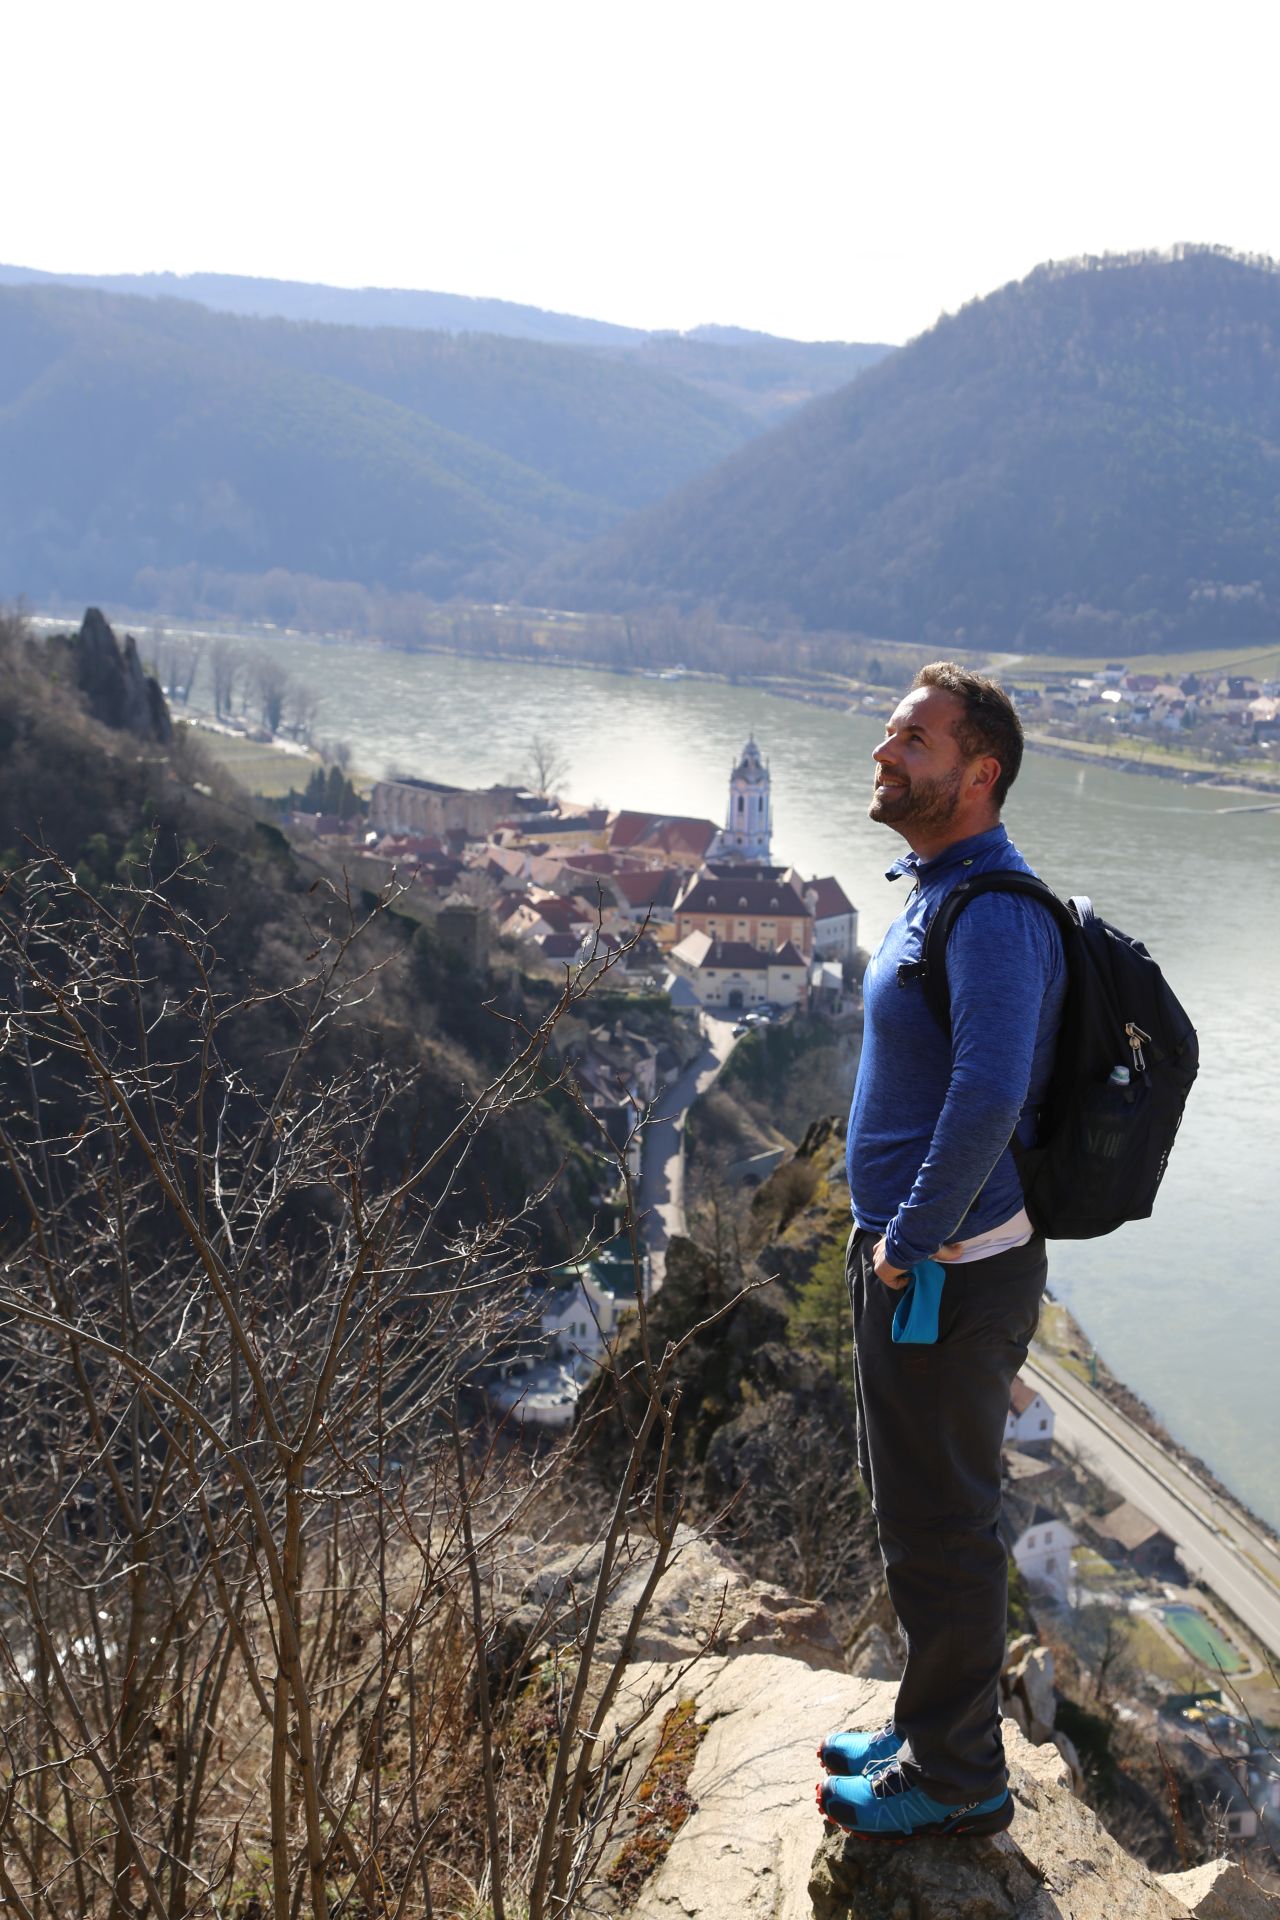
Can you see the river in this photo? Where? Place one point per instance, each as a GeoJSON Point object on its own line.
{"type": "Point", "coordinates": [1180, 1306]}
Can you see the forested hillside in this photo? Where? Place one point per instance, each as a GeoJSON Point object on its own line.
{"type": "Point", "coordinates": [148, 828]}
{"type": "Point", "coordinates": [142, 433]}
{"type": "Point", "coordinates": [766, 377]}
{"type": "Point", "coordinates": [1086, 460]}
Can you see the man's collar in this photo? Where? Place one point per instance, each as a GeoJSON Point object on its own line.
{"type": "Point", "coordinates": [909, 866]}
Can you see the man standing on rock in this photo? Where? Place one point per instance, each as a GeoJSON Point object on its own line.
{"type": "Point", "coordinates": [932, 1178]}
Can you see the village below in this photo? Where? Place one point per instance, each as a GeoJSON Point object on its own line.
{"type": "Point", "coordinates": [680, 1007]}
{"type": "Point", "coordinates": [721, 956]}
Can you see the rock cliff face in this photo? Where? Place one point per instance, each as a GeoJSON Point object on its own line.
{"type": "Point", "coordinates": [753, 1846]}
{"type": "Point", "coordinates": [117, 691]}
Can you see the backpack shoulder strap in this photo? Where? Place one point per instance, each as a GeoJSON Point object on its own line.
{"type": "Point", "coordinates": [930, 970]}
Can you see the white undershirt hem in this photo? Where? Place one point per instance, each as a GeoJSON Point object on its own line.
{"type": "Point", "coordinates": [1012, 1233]}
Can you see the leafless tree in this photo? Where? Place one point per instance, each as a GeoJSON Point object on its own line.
{"type": "Point", "coordinates": [251, 1612]}
{"type": "Point", "coordinates": [273, 687]}
{"type": "Point", "coordinates": [176, 658]}
{"type": "Point", "coordinates": [301, 706]}
{"type": "Point", "coordinates": [546, 765]}
{"type": "Point", "coordinates": [225, 666]}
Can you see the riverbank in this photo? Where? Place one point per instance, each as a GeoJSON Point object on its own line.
{"type": "Point", "coordinates": [821, 688]}
{"type": "Point", "coordinates": [1061, 1336]}
{"type": "Point", "coordinates": [855, 696]}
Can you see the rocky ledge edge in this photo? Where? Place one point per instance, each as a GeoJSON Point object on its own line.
{"type": "Point", "coordinates": [753, 1847]}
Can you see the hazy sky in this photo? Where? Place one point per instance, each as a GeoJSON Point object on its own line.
{"type": "Point", "coordinates": [824, 170]}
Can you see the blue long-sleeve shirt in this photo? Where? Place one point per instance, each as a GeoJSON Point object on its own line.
{"type": "Point", "coordinates": [927, 1152]}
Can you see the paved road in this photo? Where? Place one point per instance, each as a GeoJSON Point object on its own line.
{"type": "Point", "coordinates": [1235, 1561]}
{"type": "Point", "coordinates": [661, 1197]}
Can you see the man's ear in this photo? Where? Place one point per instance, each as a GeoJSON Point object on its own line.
{"type": "Point", "coordinates": [984, 774]}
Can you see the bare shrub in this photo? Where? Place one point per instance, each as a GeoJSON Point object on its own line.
{"type": "Point", "coordinates": [254, 1645]}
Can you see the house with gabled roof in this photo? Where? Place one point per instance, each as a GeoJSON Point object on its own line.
{"type": "Point", "coordinates": [732, 976]}
{"type": "Point", "coordinates": [1143, 1545]}
{"type": "Point", "coordinates": [835, 919]}
{"type": "Point", "coordinates": [734, 906]}
{"type": "Point", "coordinates": [1029, 1421]}
{"type": "Point", "coordinates": [1041, 1551]}
{"type": "Point", "coordinates": [662, 837]}
{"type": "Point", "coordinates": [648, 893]}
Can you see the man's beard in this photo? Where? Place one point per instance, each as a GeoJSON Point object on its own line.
{"type": "Point", "coordinates": [920, 803]}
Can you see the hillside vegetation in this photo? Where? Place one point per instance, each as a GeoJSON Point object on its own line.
{"type": "Point", "coordinates": [1085, 461]}
{"type": "Point", "coordinates": [152, 434]}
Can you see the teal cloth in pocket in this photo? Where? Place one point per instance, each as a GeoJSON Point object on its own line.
{"type": "Point", "coordinates": [915, 1318]}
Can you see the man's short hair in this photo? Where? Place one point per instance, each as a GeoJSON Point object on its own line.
{"type": "Point", "coordinates": [989, 723]}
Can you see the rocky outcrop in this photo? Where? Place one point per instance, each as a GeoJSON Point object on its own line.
{"type": "Point", "coordinates": [754, 1848]}
{"type": "Point", "coordinates": [704, 1602]}
{"type": "Point", "coordinates": [116, 690]}
{"type": "Point", "coordinates": [1221, 1890]}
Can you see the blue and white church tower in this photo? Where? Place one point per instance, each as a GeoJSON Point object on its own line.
{"type": "Point", "coordinates": [748, 828]}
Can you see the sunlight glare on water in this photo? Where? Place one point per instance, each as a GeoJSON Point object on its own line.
{"type": "Point", "coordinates": [1182, 1307]}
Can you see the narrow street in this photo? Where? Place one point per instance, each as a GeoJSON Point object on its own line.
{"type": "Point", "coordinates": [1236, 1561]}
{"type": "Point", "coordinates": [661, 1197]}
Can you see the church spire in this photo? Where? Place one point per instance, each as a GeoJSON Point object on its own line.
{"type": "Point", "coordinates": [748, 827]}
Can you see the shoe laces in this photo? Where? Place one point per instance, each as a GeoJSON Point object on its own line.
{"type": "Point", "coordinates": [887, 1780]}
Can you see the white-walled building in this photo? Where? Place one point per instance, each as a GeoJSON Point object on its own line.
{"type": "Point", "coordinates": [429, 807]}
{"type": "Point", "coordinates": [579, 1320]}
{"type": "Point", "coordinates": [1029, 1422]}
{"type": "Point", "coordinates": [732, 976]}
{"type": "Point", "coordinates": [1042, 1554]}
{"type": "Point", "coordinates": [835, 919]}
{"type": "Point", "coordinates": [748, 827]}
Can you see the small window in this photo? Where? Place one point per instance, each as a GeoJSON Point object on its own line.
{"type": "Point", "coordinates": [1031, 1539]}
{"type": "Point", "coordinates": [1050, 1565]}
{"type": "Point", "coordinates": [1044, 1426]}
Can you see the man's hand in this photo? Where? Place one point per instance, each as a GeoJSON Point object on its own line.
{"type": "Point", "coordinates": [897, 1277]}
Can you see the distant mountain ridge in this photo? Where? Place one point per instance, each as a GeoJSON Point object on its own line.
{"type": "Point", "coordinates": [343, 306]}
{"type": "Point", "coordinates": [157, 434]}
{"type": "Point", "coordinates": [760, 373]}
{"type": "Point", "coordinates": [1086, 460]}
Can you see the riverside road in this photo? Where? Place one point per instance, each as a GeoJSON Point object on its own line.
{"type": "Point", "coordinates": [1237, 1562]}
{"type": "Point", "coordinates": [661, 1202]}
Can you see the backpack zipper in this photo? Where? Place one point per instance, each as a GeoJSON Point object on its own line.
{"type": "Point", "coordinates": [1135, 1036]}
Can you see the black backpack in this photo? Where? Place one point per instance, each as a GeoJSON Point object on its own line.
{"type": "Point", "coordinates": [1103, 1143]}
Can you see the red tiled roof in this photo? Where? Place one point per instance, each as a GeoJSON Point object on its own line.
{"type": "Point", "coordinates": [561, 946]}
{"type": "Point", "coordinates": [648, 886]}
{"type": "Point", "coordinates": [673, 833]}
{"type": "Point", "coordinates": [1021, 1395]}
{"type": "Point", "coordinates": [709, 894]}
{"type": "Point", "coordinates": [561, 914]}
{"type": "Point", "coordinates": [833, 901]}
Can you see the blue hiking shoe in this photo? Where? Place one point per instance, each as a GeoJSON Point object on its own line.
{"type": "Point", "coordinates": [855, 1752]}
{"type": "Point", "coordinates": [882, 1806]}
